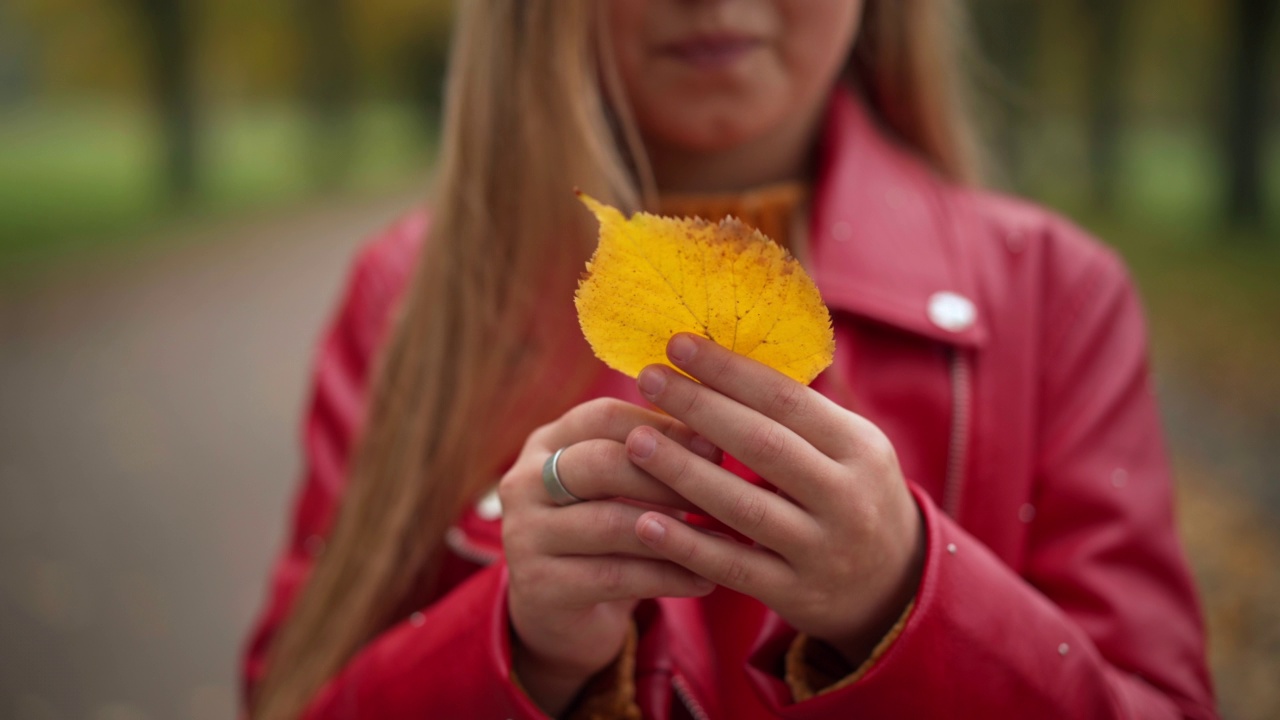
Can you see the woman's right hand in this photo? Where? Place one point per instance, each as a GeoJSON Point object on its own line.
{"type": "Point", "coordinates": [577, 571]}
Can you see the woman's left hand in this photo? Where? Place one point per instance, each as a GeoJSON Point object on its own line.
{"type": "Point", "coordinates": [838, 552]}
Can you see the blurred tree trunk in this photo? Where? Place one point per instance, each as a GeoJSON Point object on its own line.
{"type": "Point", "coordinates": [1008, 31]}
{"type": "Point", "coordinates": [169, 47]}
{"type": "Point", "coordinates": [1109, 20]}
{"type": "Point", "coordinates": [424, 67]}
{"type": "Point", "coordinates": [1246, 109]}
{"type": "Point", "coordinates": [328, 88]}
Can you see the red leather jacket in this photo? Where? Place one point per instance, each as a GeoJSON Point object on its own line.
{"type": "Point", "coordinates": [1004, 354]}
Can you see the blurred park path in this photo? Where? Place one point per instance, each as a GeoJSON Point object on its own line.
{"type": "Point", "coordinates": [1228, 472]}
{"type": "Point", "coordinates": [148, 447]}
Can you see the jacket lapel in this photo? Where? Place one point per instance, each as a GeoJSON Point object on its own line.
{"type": "Point", "coordinates": [884, 238]}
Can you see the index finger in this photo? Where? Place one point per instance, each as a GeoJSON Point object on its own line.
{"type": "Point", "coordinates": [805, 411]}
{"type": "Point", "coordinates": [613, 419]}
{"type": "Point", "coordinates": [765, 445]}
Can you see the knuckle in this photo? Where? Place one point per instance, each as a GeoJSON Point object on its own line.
{"type": "Point", "coordinates": [592, 406]}
{"type": "Point", "coordinates": [878, 449]}
{"type": "Point", "coordinates": [609, 577]}
{"type": "Point", "coordinates": [614, 521]}
{"type": "Point", "coordinates": [681, 471]}
{"type": "Point", "coordinates": [788, 399]}
{"type": "Point", "coordinates": [846, 569]}
{"type": "Point", "coordinates": [811, 602]}
{"type": "Point", "coordinates": [583, 414]}
{"type": "Point", "coordinates": [749, 510]}
{"type": "Point", "coordinates": [508, 488]}
{"type": "Point", "coordinates": [868, 441]}
{"type": "Point", "coordinates": [539, 437]}
{"type": "Point", "coordinates": [720, 366]}
{"type": "Point", "coordinates": [873, 521]}
{"type": "Point", "coordinates": [767, 441]}
{"type": "Point", "coordinates": [606, 412]}
{"type": "Point", "coordinates": [687, 555]}
{"type": "Point", "coordinates": [690, 399]}
{"type": "Point", "coordinates": [735, 572]}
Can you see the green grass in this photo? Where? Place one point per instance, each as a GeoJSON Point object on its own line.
{"type": "Point", "coordinates": [1170, 179]}
{"type": "Point", "coordinates": [81, 179]}
{"type": "Point", "coordinates": [70, 178]}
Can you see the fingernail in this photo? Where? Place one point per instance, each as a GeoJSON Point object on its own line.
{"type": "Point", "coordinates": [681, 349]}
{"type": "Point", "coordinates": [651, 381]}
{"type": "Point", "coordinates": [702, 446]}
{"type": "Point", "coordinates": [651, 531]}
{"type": "Point", "coordinates": [642, 444]}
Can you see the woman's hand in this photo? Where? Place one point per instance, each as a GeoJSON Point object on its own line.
{"type": "Point", "coordinates": [577, 572]}
{"type": "Point", "coordinates": [839, 551]}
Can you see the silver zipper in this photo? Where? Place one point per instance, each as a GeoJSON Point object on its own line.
{"type": "Point", "coordinates": [958, 450]}
{"type": "Point", "coordinates": [461, 545]}
{"type": "Point", "coordinates": [686, 698]}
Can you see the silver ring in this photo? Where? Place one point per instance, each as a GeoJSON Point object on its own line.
{"type": "Point", "coordinates": [560, 495]}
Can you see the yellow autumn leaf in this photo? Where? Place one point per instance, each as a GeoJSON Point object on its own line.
{"type": "Point", "coordinates": [652, 277]}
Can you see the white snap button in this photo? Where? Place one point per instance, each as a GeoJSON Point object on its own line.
{"type": "Point", "coordinates": [842, 231]}
{"type": "Point", "coordinates": [490, 506]}
{"type": "Point", "coordinates": [951, 312]}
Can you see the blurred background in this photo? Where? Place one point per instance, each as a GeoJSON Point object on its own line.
{"type": "Point", "coordinates": [182, 183]}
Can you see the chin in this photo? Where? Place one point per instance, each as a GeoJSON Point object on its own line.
{"type": "Point", "coordinates": [713, 131]}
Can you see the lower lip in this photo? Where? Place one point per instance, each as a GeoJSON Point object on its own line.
{"type": "Point", "coordinates": [713, 55]}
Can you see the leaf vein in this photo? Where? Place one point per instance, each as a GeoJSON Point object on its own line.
{"type": "Point", "coordinates": [640, 252]}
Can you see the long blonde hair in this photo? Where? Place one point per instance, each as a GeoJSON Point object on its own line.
{"type": "Point", "coordinates": [533, 108]}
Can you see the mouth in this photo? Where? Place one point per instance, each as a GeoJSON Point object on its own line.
{"type": "Point", "coordinates": [711, 50]}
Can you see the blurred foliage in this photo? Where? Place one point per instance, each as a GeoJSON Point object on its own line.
{"type": "Point", "coordinates": [75, 179]}
{"type": "Point", "coordinates": [1118, 107]}
{"type": "Point", "coordinates": [1160, 79]}
{"type": "Point", "coordinates": [248, 49]}
{"type": "Point", "coordinates": [104, 119]}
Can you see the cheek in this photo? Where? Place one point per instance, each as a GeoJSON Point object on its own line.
{"type": "Point", "coordinates": [820, 35]}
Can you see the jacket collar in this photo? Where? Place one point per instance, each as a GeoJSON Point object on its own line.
{"type": "Point", "coordinates": [884, 235]}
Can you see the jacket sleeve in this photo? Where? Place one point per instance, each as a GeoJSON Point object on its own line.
{"type": "Point", "coordinates": [1102, 621]}
{"type": "Point", "coordinates": [453, 656]}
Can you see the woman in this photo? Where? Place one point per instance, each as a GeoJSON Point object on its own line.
{"type": "Point", "coordinates": [974, 517]}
